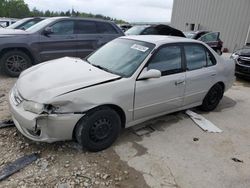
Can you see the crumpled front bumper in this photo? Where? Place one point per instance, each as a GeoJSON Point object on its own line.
{"type": "Point", "coordinates": [43, 128]}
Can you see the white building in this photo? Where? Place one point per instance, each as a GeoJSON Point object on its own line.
{"type": "Point", "coordinates": [230, 17]}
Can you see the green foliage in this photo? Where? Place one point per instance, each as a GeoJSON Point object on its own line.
{"type": "Point", "coordinates": [19, 9]}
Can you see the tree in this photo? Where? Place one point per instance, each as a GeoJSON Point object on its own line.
{"type": "Point", "coordinates": [19, 9]}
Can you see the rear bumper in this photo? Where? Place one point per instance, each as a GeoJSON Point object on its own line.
{"type": "Point", "coordinates": [43, 128]}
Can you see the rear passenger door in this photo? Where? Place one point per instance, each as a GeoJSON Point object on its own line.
{"type": "Point", "coordinates": [107, 32]}
{"type": "Point", "coordinates": [60, 43]}
{"type": "Point", "coordinates": [87, 36]}
{"type": "Point", "coordinates": [200, 73]}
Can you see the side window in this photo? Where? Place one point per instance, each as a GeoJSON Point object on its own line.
{"type": "Point", "coordinates": [106, 28]}
{"type": "Point", "coordinates": [63, 28]}
{"type": "Point", "coordinates": [210, 59]}
{"type": "Point", "coordinates": [150, 31]}
{"type": "Point", "coordinates": [198, 57]}
{"type": "Point", "coordinates": [167, 60]}
{"type": "Point", "coordinates": [86, 27]}
{"type": "Point", "coordinates": [210, 37]}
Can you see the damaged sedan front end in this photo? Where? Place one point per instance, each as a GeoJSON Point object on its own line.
{"type": "Point", "coordinates": [43, 108]}
{"type": "Point", "coordinates": [39, 122]}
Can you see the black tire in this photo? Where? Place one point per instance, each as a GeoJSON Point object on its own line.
{"type": "Point", "coordinates": [98, 129]}
{"type": "Point", "coordinates": [14, 62]}
{"type": "Point", "coordinates": [212, 98]}
{"type": "Point", "coordinates": [219, 52]}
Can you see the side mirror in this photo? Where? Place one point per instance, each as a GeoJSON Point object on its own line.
{"type": "Point", "coordinates": [48, 31]}
{"type": "Point", "coordinates": [147, 74]}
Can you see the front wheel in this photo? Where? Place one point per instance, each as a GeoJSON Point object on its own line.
{"type": "Point", "coordinates": [14, 62]}
{"type": "Point", "coordinates": [98, 129]}
{"type": "Point", "coordinates": [212, 98]}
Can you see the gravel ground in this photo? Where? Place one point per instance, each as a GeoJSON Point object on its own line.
{"type": "Point", "coordinates": [62, 164]}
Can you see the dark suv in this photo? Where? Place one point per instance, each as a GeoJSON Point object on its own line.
{"type": "Point", "coordinates": [53, 38]}
{"type": "Point", "coordinates": [242, 59]}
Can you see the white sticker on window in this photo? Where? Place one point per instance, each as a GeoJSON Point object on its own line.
{"type": "Point", "coordinates": [139, 47]}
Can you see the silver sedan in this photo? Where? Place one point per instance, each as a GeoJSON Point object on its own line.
{"type": "Point", "coordinates": [128, 81]}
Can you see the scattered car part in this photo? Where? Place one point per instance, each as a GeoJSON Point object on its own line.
{"type": "Point", "coordinates": [203, 123]}
{"type": "Point", "coordinates": [237, 160]}
{"type": "Point", "coordinates": [146, 77]}
{"type": "Point", "coordinates": [195, 139]}
{"type": "Point", "coordinates": [6, 123]}
{"type": "Point", "coordinates": [142, 130]}
{"type": "Point", "coordinates": [17, 165]}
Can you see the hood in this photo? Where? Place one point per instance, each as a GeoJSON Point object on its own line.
{"type": "Point", "coordinates": [244, 52]}
{"type": "Point", "coordinates": [4, 32]}
{"type": "Point", "coordinates": [45, 81]}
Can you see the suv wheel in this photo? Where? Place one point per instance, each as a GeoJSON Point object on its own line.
{"type": "Point", "coordinates": [99, 129]}
{"type": "Point", "coordinates": [14, 62]}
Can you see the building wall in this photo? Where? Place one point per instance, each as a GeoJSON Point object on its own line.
{"type": "Point", "coordinates": [230, 17]}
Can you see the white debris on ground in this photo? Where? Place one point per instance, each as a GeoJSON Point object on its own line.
{"type": "Point", "coordinates": [203, 123]}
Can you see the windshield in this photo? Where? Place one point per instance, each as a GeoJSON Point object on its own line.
{"type": "Point", "coordinates": [40, 25]}
{"type": "Point", "coordinates": [136, 30]}
{"type": "Point", "coordinates": [189, 35]}
{"type": "Point", "coordinates": [121, 56]}
{"type": "Point", "coordinates": [17, 24]}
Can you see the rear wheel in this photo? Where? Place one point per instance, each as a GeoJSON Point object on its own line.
{"type": "Point", "coordinates": [14, 62]}
{"type": "Point", "coordinates": [212, 98]}
{"type": "Point", "coordinates": [219, 52]}
{"type": "Point", "coordinates": [98, 129]}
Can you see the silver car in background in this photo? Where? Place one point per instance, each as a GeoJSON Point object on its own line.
{"type": "Point", "coordinates": [128, 81]}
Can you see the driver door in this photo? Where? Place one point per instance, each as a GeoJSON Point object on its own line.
{"type": "Point", "coordinates": [161, 95]}
{"type": "Point", "coordinates": [60, 43]}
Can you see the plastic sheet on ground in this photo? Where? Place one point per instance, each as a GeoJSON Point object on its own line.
{"type": "Point", "coordinates": [203, 123]}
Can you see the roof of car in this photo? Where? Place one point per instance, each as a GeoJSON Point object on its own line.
{"type": "Point", "coordinates": [78, 18]}
{"type": "Point", "coordinates": [159, 39]}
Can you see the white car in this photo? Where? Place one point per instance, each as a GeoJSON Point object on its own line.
{"type": "Point", "coordinates": [128, 81]}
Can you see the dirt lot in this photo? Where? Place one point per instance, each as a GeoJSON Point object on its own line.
{"type": "Point", "coordinates": [167, 157]}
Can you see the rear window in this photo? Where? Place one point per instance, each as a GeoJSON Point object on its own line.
{"type": "Point", "coordinates": [106, 28]}
{"type": "Point", "coordinates": [86, 27]}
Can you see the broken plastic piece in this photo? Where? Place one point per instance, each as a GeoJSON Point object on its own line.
{"type": "Point", "coordinates": [17, 165]}
{"type": "Point", "coordinates": [195, 139]}
{"type": "Point", "coordinates": [203, 123]}
{"type": "Point", "coordinates": [6, 123]}
{"type": "Point", "coordinates": [237, 160]}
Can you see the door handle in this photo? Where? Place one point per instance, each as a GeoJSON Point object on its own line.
{"type": "Point", "coordinates": [179, 82]}
{"type": "Point", "coordinates": [214, 74]}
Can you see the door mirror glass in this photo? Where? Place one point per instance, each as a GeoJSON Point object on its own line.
{"type": "Point", "coordinates": [48, 31]}
{"type": "Point", "coordinates": [147, 74]}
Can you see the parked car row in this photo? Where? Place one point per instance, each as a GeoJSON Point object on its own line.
{"type": "Point", "coordinates": [210, 38]}
{"type": "Point", "coordinates": [53, 38]}
{"type": "Point", "coordinates": [5, 22]}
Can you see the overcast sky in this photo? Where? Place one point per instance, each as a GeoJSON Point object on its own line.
{"type": "Point", "coordinates": [129, 10]}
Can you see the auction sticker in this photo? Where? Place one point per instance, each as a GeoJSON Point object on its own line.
{"type": "Point", "coordinates": [139, 47]}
